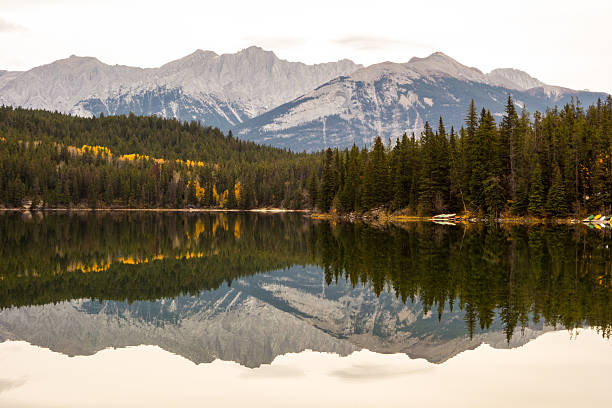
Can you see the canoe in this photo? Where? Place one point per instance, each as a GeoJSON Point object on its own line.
{"type": "Point", "coordinates": [597, 217]}
{"type": "Point", "coordinates": [444, 216]}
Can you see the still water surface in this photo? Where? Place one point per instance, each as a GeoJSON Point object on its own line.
{"type": "Point", "coordinates": [231, 309]}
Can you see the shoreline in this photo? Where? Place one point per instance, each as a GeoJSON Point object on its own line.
{"type": "Point", "coordinates": [382, 218]}
{"type": "Point", "coordinates": [371, 218]}
{"type": "Point", "coordinates": [188, 210]}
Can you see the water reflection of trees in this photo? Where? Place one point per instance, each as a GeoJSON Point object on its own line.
{"type": "Point", "coordinates": [556, 274]}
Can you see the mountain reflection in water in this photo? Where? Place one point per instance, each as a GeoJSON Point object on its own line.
{"type": "Point", "coordinates": [250, 287]}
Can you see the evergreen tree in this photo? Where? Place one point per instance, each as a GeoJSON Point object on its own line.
{"type": "Point", "coordinates": [537, 194]}
{"type": "Point", "coordinates": [348, 197]}
{"type": "Point", "coordinates": [328, 182]}
{"type": "Point", "coordinates": [556, 202]}
{"type": "Point", "coordinates": [313, 190]}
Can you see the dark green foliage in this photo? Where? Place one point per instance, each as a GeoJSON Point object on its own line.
{"type": "Point", "coordinates": [494, 196]}
{"type": "Point", "coordinates": [348, 198]}
{"type": "Point", "coordinates": [559, 164]}
{"type": "Point", "coordinates": [376, 190]}
{"type": "Point", "coordinates": [329, 181]}
{"type": "Point", "coordinates": [536, 194]}
{"type": "Point", "coordinates": [313, 190]}
{"type": "Point", "coordinates": [41, 160]}
{"type": "Point", "coordinates": [556, 203]}
{"type": "Point", "coordinates": [434, 179]}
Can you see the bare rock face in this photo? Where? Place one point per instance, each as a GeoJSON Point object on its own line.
{"type": "Point", "coordinates": [390, 99]}
{"type": "Point", "coordinates": [513, 79]}
{"type": "Point", "coordinates": [220, 90]}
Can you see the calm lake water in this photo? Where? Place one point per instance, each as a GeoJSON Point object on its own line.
{"type": "Point", "coordinates": [277, 310]}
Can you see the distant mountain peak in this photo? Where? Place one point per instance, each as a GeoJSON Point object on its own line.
{"type": "Point", "coordinates": [435, 55]}
{"type": "Point", "coordinates": [512, 78]}
{"type": "Point", "coordinates": [254, 49]}
{"type": "Point", "coordinates": [202, 53]}
{"type": "Point", "coordinates": [440, 63]}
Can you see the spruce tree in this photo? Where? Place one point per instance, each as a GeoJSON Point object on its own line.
{"type": "Point", "coordinates": [348, 196]}
{"type": "Point", "coordinates": [328, 188]}
{"type": "Point", "coordinates": [313, 190]}
{"type": "Point", "coordinates": [556, 202]}
{"type": "Point", "coordinates": [536, 194]}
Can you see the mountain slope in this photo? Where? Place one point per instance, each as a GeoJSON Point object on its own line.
{"type": "Point", "coordinates": [219, 90]}
{"type": "Point", "coordinates": [389, 99]}
{"type": "Point", "coordinates": [286, 104]}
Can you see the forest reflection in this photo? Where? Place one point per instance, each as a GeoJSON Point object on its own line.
{"type": "Point", "coordinates": [559, 275]}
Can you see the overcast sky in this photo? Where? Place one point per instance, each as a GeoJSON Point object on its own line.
{"type": "Point", "coordinates": [560, 42]}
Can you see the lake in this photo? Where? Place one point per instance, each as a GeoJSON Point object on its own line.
{"type": "Point", "coordinates": [227, 309]}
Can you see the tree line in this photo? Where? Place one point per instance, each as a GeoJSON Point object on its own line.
{"type": "Point", "coordinates": [555, 164]}
{"type": "Point", "coordinates": [56, 160]}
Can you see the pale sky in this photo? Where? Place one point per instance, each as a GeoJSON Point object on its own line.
{"type": "Point", "coordinates": [560, 42]}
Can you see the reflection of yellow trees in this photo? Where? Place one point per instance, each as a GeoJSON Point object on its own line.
{"type": "Point", "coordinates": [237, 228]}
{"type": "Point", "coordinates": [220, 221]}
{"type": "Point", "coordinates": [95, 267]}
{"type": "Point", "coordinates": [199, 229]}
{"type": "Point", "coordinates": [130, 260]}
{"type": "Point", "coordinates": [182, 249]}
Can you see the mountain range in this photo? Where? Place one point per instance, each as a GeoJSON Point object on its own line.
{"type": "Point", "coordinates": [269, 100]}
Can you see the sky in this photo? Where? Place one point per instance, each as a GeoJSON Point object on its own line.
{"type": "Point", "coordinates": [560, 42]}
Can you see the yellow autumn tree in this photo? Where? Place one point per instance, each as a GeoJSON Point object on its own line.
{"type": "Point", "coordinates": [199, 191]}
{"type": "Point", "coordinates": [238, 192]}
{"type": "Point", "coordinates": [220, 199]}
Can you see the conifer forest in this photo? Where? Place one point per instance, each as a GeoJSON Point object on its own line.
{"type": "Point", "coordinates": [552, 164]}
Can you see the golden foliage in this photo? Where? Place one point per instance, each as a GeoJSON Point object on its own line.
{"type": "Point", "coordinates": [238, 192]}
{"type": "Point", "coordinates": [199, 191]}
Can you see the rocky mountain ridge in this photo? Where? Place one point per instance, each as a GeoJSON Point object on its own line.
{"type": "Point", "coordinates": [263, 98]}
